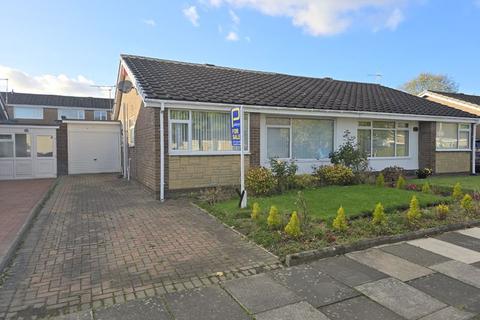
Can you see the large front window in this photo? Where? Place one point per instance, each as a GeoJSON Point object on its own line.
{"type": "Point", "coordinates": [74, 114]}
{"type": "Point", "coordinates": [453, 136]}
{"type": "Point", "coordinates": [28, 113]}
{"type": "Point", "coordinates": [299, 138]}
{"type": "Point", "coordinates": [203, 132]}
{"type": "Point", "coordinates": [383, 138]}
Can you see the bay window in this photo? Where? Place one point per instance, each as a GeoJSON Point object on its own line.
{"type": "Point", "coordinates": [453, 136]}
{"type": "Point", "coordinates": [383, 138]}
{"type": "Point", "coordinates": [203, 132]}
{"type": "Point", "coordinates": [299, 138]}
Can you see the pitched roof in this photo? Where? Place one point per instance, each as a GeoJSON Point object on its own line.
{"type": "Point", "coordinates": [460, 96]}
{"type": "Point", "coordinates": [57, 100]}
{"type": "Point", "coordinates": [172, 80]}
{"type": "Point", "coordinates": [3, 111]}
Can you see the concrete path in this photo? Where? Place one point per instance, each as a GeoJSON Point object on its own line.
{"type": "Point", "coordinates": [393, 282]}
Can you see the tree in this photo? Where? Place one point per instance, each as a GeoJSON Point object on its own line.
{"type": "Point", "coordinates": [430, 81]}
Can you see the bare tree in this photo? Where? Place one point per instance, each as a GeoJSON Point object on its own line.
{"type": "Point", "coordinates": [429, 81]}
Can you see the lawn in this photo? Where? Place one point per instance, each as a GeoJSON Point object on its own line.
{"type": "Point", "coordinates": [324, 202]}
{"type": "Point", "coordinates": [471, 183]}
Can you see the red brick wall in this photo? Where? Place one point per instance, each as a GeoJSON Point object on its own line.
{"type": "Point", "coordinates": [254, 139]}
{"type": "Point", "coordinates": [426, 144]}
{"type": "Point", "coordinates": [62, 150]}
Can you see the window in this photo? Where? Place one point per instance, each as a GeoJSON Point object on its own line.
{"type": "Point", "coordinates": [384, 138]}
{"type": "Point", "coordinates": [131, 131]}
{"type": "Point", "coordinates": [23, 145]}
{"type": "Point", "coordinates": [74, 114]}
{"type": "Point", "coordinates": [299, 138]}
{"type": "Point", "coordinates": [100, 115]}
{"type": "Point", "coordinates": [203, 131]}
{"type": "Point", "coordinates": [28, 113]}
{"type": "Point", "coordinates": [453, 136]}
{"type": "Point", "coordinates": [44, 146]}
{"type": "Point", "coordinates": [6, 146]}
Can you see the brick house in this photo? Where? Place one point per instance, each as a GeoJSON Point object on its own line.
{"type": "Point", "coordinates": [177, 124]}
{"type": "Point", "coordinates": [42, 136]}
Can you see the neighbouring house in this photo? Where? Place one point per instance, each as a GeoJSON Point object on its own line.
{"type": "Point", "coordinates": [42, 136]}
{"type": "Point", "coordinates": [177, 124]}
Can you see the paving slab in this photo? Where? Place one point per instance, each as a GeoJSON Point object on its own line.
{"type": "Point", "coordinates": [348, 271]}
{"type": "Point", "coordinates": [260, 293]}
{"type": "Point", "coordinates": [449, 291]}
{"type": "Point", "coordinates": [401, 298]}
{"type": "Point", "coordinates": [359, 308]}
{"type": "Point", "coordinates": [297, 311]}
{"type": "Point", "coordinates": [390, 264]}
{"type": "Point", "coordinates": [461, 240]}
{"type": "Point", "coordinates": [460, 271]}
{"type": "Point", "coordinates": [208, 303]}
{"type": "Point", "coordinates": [145, 309]}
{"type": "Point", "coordinates": [447, 249]}
{"type": "Point", "coordinates": [414, 254]}
{"type": "Point", "coordinates": [86, 315]}
{"type": "Point", "coordinates": [316, 287]}
{"type": "Point", "coordinates": [472, 232]}
{"type": "Point", "coordinates": [449, 313]}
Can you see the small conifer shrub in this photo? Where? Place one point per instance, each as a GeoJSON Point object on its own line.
{"type": "Point", "coordinates": [401, 183]}
{"type": "Point", "coordinates": [426, 188]}
{"type": "Point", "coordinates": [380, 181]}
{"type": "Point", "coordinates": [467, 203]}
{"type": "Point", "coordinates": [457, 193]}
{"type": "Point", "coordinates": [340, 222]}
{"type": "Point", "coordinates": [379, 216]}
{"type": "Point", "coordinates": [414, 213]}
{"type": "Point", "coordinates": [274, 220]}
{"type": "Point", "coordinates": [255, 211]}
{"type": "Point", "coordinates": [293, 226]}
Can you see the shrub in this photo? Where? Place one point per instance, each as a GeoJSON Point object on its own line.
{"type": "Point", "coordinates": [334, 175]}
{"type": "Point", "coordinates": [305, 181]}
{"type": "Point", "coordinates": [442, 211]}
{"type": "Point", "coordinates": [401, 183]}
{"type": "Point", "coordinates": [301, 204]}
{"type": "Point", "coordinates": [255, 211]}
{"type": "Point", "coordinates": [412, 187]}
{"type": "Point", "coordinates": [284, 173]}
{"type": "Point", "coordinates": [426, 188]}
{"type": "Point", "coordinates": [349, 155]}
{"type": "Point", "coordinates": [457, 193]}
{"type": "Point", "coordinates": [293, 226]}
{"type": "Point", "coordinates": [423, 173]}
{"type": "Point", "coordinates": [340, 222]}
{"type": "Point", "coordinates": [413, 213]}
{"type": "Point", "coordinates": [392, 174]}
{"type": "Point", "coordinates": [260, 181]}
{"type": "Point", "coordinates": [274, 220]}
{"type": "Point", "coordinates": [380, 181]}
{"type": "Point", "coordinates": [467, 203]}
{"type": "Point", "coordinates": [379, 216]}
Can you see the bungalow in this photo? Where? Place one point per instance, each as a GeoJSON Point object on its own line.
{"type": "Point", "coordinates": [177, 123]}
{"type": "Point", "coordinates": [42, 136]}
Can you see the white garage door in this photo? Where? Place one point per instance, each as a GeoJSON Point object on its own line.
{"type": "Point", "coordinates": [93, 147]}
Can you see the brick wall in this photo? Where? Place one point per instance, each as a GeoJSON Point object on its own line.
{"type": "Point", "coordinates": [62, 150]}
{"type": "Point", "coordinates": [426, 144]}
{"type": "Point", "coordinates": [255, 139]}
{"type": "Point", "coordinates": [453, 162]}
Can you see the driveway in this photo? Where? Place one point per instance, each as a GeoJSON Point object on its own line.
{"type": "Point", "coordinates": [100, 241]}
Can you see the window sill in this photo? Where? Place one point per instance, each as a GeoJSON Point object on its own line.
{"type": "Point", "coordinates": [225, 153]}
{"type": "Point", "coordinates": [389, 158]}
{"type": "Point", "coordinates": [453, 150]}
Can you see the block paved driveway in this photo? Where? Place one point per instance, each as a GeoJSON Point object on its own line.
{"type": "Point", "coordinates": [429, 279]}
{"type": "Point", "coordinates": [100, 241]}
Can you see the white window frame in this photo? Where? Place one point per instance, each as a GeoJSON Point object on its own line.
{"type": "Point", "coordinates": [36, 109]}
{"type": "Point", "coordinates": [459, 129]}
{"type": "Point", "coordinates": [102, 113]}
{"type": "Point", "coordinates": [280, 126]}
{"type": "Point", "coordinates": [80, 114]}
{"type": "Point", "coordinates": [396, 128]}
{"type": "Point", "coordinates": [189, 125]}
{"type": "Point", "coordinates": [12, 140]}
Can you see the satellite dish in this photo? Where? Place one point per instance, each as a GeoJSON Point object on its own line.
{"type": "Point", "coordinates": [125, 86]}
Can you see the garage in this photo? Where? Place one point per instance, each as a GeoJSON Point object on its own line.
{"type": "Point", "coordinates": [93, 147]}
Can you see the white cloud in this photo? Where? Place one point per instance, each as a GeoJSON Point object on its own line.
{"type": "Point", "coordinates": [232, 36]}
{"type": "Point", "coordinates": [150, 22]}
{"type": "Point", "coordinates": [234, 17]}
{"type": "Point", "coordinates": [49, 84]}
{"type": "Point", "coordinates": [192, 15]}
{"type": "Point", "coordinates": [325, 17]}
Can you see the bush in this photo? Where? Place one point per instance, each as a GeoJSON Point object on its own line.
{"type": "Point", "coordinates": [392, 174]}
{"type": "Point", "coordinates": [412, 187]}
{"type": "Point", "coordinates": [426, 188]}
{"type": "Point", "coordinates": [274, 220]}
{"type": "Point", "coordinates": [349, 155]}
{"type": "Point", "coordinates": [340, 222]}
{"type": "Point", "coordinates": [334, 175]}
{"type": "Point", "coordinates": [423, 173]}
{"type": "Point", "coordinates": [293, 226]}
{"type": "Point", "coordinates": [255, 211]}
{"type": "Point", "coordinates": [284, 173]}
{"type": "Point", "coordinates": [442, 211]}
{"type": "Point", "coordinates": [413, 213]}
{"type": "Point", "coordinates": [301, 204]}
{"type": "Point", "coordinates": [401, 183]}
{"type": "Point", "coordinates": [467, 203]}
{"type": "Point", "coordinates": [260, 181]}
{"type": "Point", "coordinates": [380, 181]}
{"type": "Point", "coordinates": [457, 193]}
{"type": "Point", "coordinates": [305, 181]}
{"type": "Point", "coordinates": [379, 216]}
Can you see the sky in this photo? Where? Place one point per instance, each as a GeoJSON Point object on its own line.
{"type": "Point", "coordinates": [68, 46]}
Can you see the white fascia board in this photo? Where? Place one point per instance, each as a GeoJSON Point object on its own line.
{"type": "Point", "coordinates": [26, 126]}
{"type": "Point", "coordinates": [99, 122]}
{"type": "Point", "coordinates": [473, 106]}
{"type": "Point", "coordinates": [58, 107]}
{"type": "Point", "coordinates": [133, 79]}
{"type": "Point", "coordinates": [303, 112]}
